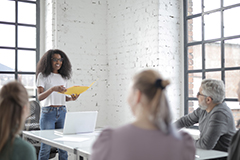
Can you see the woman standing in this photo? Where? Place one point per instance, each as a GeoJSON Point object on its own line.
{"type": "Point", "coordinates": [151, 136]}
{"type": "Point", "coordinates": [53, 71]}
{"type": "Point", "coordinates": [14, 109]}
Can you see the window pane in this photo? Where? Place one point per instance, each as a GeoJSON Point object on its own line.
{"type": "Point", "coordinates": [213, 55]}
{"type": "Point", "coordinates": [194, 82]}
{"type": "Point", "coordinates": [29, 83]}
{"type": "Point", "coordinates": [7, 11]}
{"type": "Point", "coordinates": [30, 58]}
{"type": "Point", "coordinates": [235, 107]}
{"type": "Point", "coordinates": [7, 33]}
{"type": "Point", "coordinates": [232, 51]}
{"type": "Point", "coordinates": [23, 13]}
{"type": "Point", "coordinates": [27, 40]}
{"type": "Point", "coordinates": [212, 25]}
{"type": "Point", "coordinates": [213, 75]}
{"type": "Point", "coordinates": [192, 105]}
{"type": "Point", "coordinates": [211, 5]}
{"type": "Point", "coordinates": [5, 78]}
{"type": "Point", "coordinates": [194, 29]}
{"type": "Point", "coordinates": [7, 60]}
{"type": "Point", "coordinates": [230, 2]}
{"type": "Point", "coordinates": [194, 7]}
{"type": "Point", "coordinates": [195, 57]}
{"type": "Point", "coordinates": [231, 83]}
{"type": "Point", "coordinates": [231, 25]}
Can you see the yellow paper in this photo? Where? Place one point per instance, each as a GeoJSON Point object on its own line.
{"type": "Point", "coordinates": [77, 89]}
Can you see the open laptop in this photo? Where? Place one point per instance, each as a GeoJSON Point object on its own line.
{"type": "Point", "coordinates": [79, 122]}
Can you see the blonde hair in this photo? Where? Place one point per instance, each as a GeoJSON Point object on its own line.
{"type": "Point", "coordinates": [150, 83]}
{"type": "Point", "coordinates": [13, 96]}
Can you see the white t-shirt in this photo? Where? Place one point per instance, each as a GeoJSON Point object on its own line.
{"type": "Point", "coordinates": [54, 98]}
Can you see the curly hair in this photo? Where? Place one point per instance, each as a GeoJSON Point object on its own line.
{"type": "Point", "coordinates": [44, 65]}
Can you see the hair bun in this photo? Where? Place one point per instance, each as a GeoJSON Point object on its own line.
{"type": "Point", "coordinates": [161, 83]}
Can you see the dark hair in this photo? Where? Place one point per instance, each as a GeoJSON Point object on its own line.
{"type": "Point", "coordinates": [45, 64]}
{"type": "Point", "coordinates": [13, 97]}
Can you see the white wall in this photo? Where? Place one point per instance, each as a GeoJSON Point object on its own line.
{"type": "Point", "coordinates": [110, 40]}
{"type": "Point", "coordinates": [171, 51]}
{"type": "Point", "coordinates": [132, 44]}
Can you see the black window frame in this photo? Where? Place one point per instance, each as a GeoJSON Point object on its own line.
{"type": "Point", "coordinates": [16, 48]}
{"type": "Point", "coordinates": [186, 17]}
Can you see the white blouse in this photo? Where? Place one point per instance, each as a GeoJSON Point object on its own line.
{"type": "Point", "coordinates": [54, 98]}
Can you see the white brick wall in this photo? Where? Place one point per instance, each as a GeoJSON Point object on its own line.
{"type": "Point", "coordinates": [171, 50]}
{"type": "Point", "coordinates": [110, 40]}
{"type": "Point", "coordinates": [79, 29]}
{"type": "Point", "coordinates": [132, 45]}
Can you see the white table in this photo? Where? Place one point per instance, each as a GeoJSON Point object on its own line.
{"type": "Point", "coordinates": [195, 133]}
{"type": "Point", "coordinates": [209, 154]}
{"type": "Point", "coordinates": [202, 154]}
{"type": "Point", "coordinates": [81, 144]}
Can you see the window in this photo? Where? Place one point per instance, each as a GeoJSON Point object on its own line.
{"type": "Point", "coordinates": [211, 48]}
{"type": "Point", "coordinates": [19, 42]}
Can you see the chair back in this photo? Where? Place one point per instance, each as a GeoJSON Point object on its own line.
{"type": "Point", "coordinates": [32, 121]}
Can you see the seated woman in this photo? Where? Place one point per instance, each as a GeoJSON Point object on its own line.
{"type": "Point", "coordinates": [14, 109]}
{"type": "Point", "coordinates": [151, 136]}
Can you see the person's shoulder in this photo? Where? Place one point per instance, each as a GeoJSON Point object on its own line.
{"type": "Point", "coordinates": [22, 146]}
{"type": "Point", "coordinates": [222, 106]}
{"type": "Point", "coordinates": [101, 147]}
{"type": "Point", "coordinates": [222, 109]}
{"type": "Point", "coordinates": [40, 75]}
{"type": "Point", "coordinates": [19, 142]}
{"type": "Point", "coordinates": [106, 133]}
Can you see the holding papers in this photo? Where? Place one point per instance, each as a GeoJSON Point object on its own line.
{"type": "Point", "coordinates": [77, 89]}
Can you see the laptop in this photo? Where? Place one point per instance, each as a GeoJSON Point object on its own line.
{"type": "Point", "coordinates": [79, 122]}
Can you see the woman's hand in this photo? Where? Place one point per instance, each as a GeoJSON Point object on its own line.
{"type": "Point", "coordinates": [44, 94]}
{"type": "Point", "coordinates": [74, 96]}
{"type": "Point", "coordinates": [61, 89]}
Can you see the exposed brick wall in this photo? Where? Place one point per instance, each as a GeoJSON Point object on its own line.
{"type": "Point", "coordinates": [171, 51]}
{"type": "Point", "coordinates": [79, 29]}
{"type": "Point", "coordinates": [236, 115]}
{"type": "Point", "coordinates": [110, 41]}
{"type": "Point", "coordinates": [132, 45]}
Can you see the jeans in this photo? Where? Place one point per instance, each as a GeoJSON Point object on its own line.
{"type": "Point", "coordinates": [52, 118]}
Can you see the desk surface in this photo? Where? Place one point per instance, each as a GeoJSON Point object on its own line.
{"type": "Point", "coordinates": [80, 144]}
{"type": "Point", "coordinates": [201, 153]}
{"type": "Point", "coordinates": [195, 133]}
{"type": "Point", "coordinates": [209, 154]}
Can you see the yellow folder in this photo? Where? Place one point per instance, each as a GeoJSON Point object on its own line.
{"type": "Point", "coordinates": [77, 89]}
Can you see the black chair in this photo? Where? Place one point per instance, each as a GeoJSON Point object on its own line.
{"type": "Point", "coordinates": [234, 148]}
{"type": "Point", "coordinates": [32, 123]}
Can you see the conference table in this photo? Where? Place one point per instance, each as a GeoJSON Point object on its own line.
{"type": "Point", "coordinates": [80, 144]}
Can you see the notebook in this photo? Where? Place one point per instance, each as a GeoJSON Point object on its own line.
{"type": "Point", "coordinates": [79, 122]}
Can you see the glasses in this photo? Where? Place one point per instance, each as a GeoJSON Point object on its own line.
{"type": "Point", "coordinates": [56, 59]}
{"type": "Point", "coordinates": [199, 94]}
